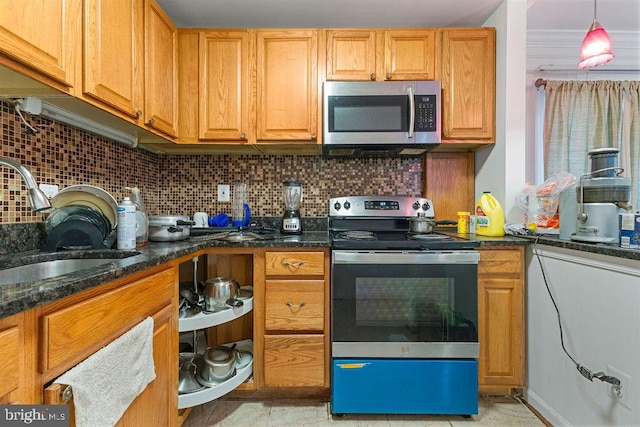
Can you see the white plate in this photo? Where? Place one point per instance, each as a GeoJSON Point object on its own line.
{"type": "Point", "coordinates": [91, 196]}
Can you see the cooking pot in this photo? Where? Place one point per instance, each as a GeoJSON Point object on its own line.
{"type": "Point", "coordinates": [190, 365]}
{"type": "Point", "coordinates": [221, 293]}
{"type": "Point", "coordinates": [219, 364]}
{"type": "Point", "coordinates": [169, 228]}
{"type": "Point", "coordinates": [422, 224]}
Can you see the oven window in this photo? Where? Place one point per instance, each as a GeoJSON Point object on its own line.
{"type": "Point", "coordinates": [368, 113]}
{"type": "Point", "coordinates": [436, 303]}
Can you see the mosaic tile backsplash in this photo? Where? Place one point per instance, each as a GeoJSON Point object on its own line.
{"type": "Point", "coordinates": [184, 184]}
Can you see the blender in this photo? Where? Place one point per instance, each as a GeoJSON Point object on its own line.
{"type": "Point", "coordinates": [292, 195]}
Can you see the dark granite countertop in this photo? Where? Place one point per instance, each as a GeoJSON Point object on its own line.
{"type": "Point", "coordinates": [15, 298]}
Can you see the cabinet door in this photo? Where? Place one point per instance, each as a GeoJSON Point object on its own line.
{"type": "Point", "coordinates": [501, 318]}
{"type": "Point", "coordinates": [410, 54]}
{"type": "Point", "coordinates": [351, 54]}
{"type": "Point", "coordinates": [161, 79]}
{"type": "Point", "coordinates": [42, 35]}
{"type": "Point", "coordinates": [225, 85]}
{"type": "Point", "coordinates": [18, 354]}
{"type": "Point", "coordinates": [113, 61]}
{"type": "Point", "coordinates": [287, 89]}
{"type": "Point", "coordinates": [157, 405]}
{"type": "Point", "coordinates": [468, 84]}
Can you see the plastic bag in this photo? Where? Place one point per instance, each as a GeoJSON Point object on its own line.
{"type": "Point", "coordinates": [541, 202]}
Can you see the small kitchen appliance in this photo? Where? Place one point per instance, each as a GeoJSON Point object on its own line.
{"type": "Point", "coordinates": [381, 119]}
{"type": "Point", "coordinates": [601, 196]}
{"type": "Point", "coordinates": [292, 195]}
{"type": "Point", "coordinates": [404, 311]}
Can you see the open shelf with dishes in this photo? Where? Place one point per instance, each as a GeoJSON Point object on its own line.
{"type": "Point", "coordinates": [215, 391]}
{"type": "Point", "coordinates": [229, 327]}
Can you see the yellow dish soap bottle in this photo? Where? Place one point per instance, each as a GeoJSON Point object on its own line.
{"type": "Point", "coordinates": [489, 216]}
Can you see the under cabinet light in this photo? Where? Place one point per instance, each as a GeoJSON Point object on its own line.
{"type": "Point", "coordinates": [58, 114]}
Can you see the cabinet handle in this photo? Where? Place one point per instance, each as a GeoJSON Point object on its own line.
{"type": "Point", "coordinates": [301, 304]}
{"type": "Point", "coordinates": [314, 137]}
{"type": "Point", "coordinates": [151, 121]}
{"type": "Point", "coordinates": [243, 136]}
{"type": "Point", "coordinates": [388, 76]}
{"type": "Point", "coordinates": [296, 264]}
{"type": "Point", "coordinates": [372, 76]}
{"type": "Point", "coordinates": [138, 113]}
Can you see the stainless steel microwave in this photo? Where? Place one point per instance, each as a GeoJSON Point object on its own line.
{"type": "Point", "coordinates": [381, 119]}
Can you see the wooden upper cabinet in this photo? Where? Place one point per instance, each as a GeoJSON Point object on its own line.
{"type": "Point", "coordinates": [42, 35]}
{"type": "Point", "coordinates": [225, 91]}
{"type": "Point", "coordinates": [113, 59]}
{"type": "Point", "coordinates": [365, 54]}
{"type": "Point", "coordinates": [410, 54]}
{"type": "Point", "coordinates": [351, 54]}
{"type": "Point", "coordinates": [287, 88]}
{"type": "Point", "coordinates": [161, 64]}
{"type": "Point", "coordinates": [468, 70]}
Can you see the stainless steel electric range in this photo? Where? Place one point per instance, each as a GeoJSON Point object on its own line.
{"type": "Point", "coordinates": [404, 311]}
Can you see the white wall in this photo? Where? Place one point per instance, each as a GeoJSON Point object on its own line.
{"type": "Point", "coordinates": [598, 298]}
{"type": "Point", "coordinates": [501, 168]}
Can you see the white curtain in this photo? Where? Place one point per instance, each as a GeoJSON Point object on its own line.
{"type": "Point", "coordinates": [583, 115]}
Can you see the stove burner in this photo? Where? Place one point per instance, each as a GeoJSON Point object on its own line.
{"type": "Point", "coordinates": [357, 235]}
{"type": "Point", "coordinates": [428, 237]}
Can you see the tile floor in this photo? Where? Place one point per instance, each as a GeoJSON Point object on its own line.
{"type": "Point", "coordinates": [494, 411]}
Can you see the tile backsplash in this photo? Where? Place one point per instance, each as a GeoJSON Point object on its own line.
{"type": "Point", "coordinates": [184, 184]}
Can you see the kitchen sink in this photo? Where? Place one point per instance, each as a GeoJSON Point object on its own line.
{"type": "Point", "coordinates": [40, 266]}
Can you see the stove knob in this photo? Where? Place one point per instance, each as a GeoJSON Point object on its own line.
{"type": "Point", "coordinates": [426, 206]}
{"type": "Point", "coordinates": [337, 206]}
{"type": "Point", "coordinates": [347, 205]}
{"type": "Point", "coordinates": [416, 205]}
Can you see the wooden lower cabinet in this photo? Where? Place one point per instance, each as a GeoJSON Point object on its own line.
{"type": "Point", "coordinates": [17, 352]}
{"type": "Point", "coordinates": [73, 328]}
{"type": "Point", "coordinates": [294, 360]}
{"type": "Point", "coordinates": [294, 319]}
{"type": "Point", "coordinates": [501, 317]}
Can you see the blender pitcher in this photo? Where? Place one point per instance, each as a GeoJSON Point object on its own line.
{"type": "Point", "coordinates": [292, 195]}
{"type": "Point", "coordinates": [240, 215]}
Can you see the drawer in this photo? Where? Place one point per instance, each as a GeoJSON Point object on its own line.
{"type": "Point", "coordinates": [10, 351]}
{"type": "Point", "coordinates": [496, 261]}
{"type": "Point", "coordinates": [294, 263]}
{"type": "Point", "coordinates": [294, 361]}
{"type": "Point", "coordinates": [71, 334]}
{"type": "Point", "coordinates": [294, 305]}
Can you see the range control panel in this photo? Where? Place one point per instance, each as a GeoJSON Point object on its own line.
{"type": "Point", "coordinates": [380, 206]}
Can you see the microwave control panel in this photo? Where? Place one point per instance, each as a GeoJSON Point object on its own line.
{"type": "Point", "coordinates": [425, 106]}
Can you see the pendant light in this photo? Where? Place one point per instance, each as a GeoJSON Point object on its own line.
{"type": "Point", "coordinates": [596, 46]}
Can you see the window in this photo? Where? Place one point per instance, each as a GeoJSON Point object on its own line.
{"type": "Point", "coordinates": [580, 116]}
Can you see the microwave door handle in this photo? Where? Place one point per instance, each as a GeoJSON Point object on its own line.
{"type": "Point", "coordinates": [412, 112]}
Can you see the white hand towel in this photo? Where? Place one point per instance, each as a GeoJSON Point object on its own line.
{"type": "Point", "coordinates": [105, 384]}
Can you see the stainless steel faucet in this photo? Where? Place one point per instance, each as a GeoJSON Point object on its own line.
{"type": "Point", "coordinates": [37, 198]}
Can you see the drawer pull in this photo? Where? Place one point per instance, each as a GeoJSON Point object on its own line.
{"type": "Point", "coordinates": [296, 264]}
{"type": "Point", "coordinates": [66, 394]}
{"type": "Point", "coordinates": [302, 304]}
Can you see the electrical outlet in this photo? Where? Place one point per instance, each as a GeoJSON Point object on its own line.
{"type": "Point", "coordinates": [623, 395]}
{"type": "Point", "coordinates": [49, 190]}
{"type": "Point", "coordinates": [224, 193]}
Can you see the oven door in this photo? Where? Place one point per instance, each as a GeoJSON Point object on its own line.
{"type": "Point", "coordinates": [414, 304]}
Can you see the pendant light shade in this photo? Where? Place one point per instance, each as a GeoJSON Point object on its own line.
{"type": "Point", "coordinates": [596, 46]}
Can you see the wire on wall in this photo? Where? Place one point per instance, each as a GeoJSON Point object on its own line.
{"type": "Point", "coordinates": [584, 371]}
